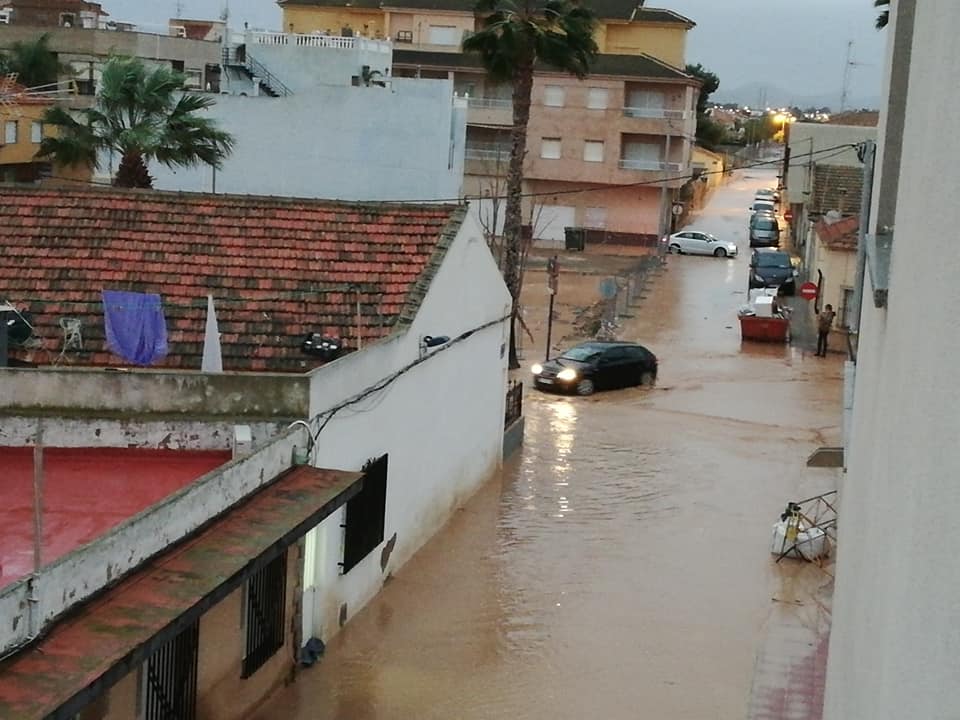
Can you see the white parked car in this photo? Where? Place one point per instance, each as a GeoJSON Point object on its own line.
{"type": "Point", "coordinates": [694, 242]}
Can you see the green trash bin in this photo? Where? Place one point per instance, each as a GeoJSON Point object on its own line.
{"type": "Point", "coordinates": [576, 238]}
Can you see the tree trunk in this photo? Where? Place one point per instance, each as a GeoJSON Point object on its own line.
{"type": "Point", "coordinates": [513, 216]}
{"type": "Point", "coordinates": [133, 172]}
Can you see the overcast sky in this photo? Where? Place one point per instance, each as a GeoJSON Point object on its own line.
{"type": "Point", "coordinates": [797, 45]}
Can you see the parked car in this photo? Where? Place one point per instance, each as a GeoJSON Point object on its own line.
{"type": "Point", "coordinates": [767, 194]}
{"type": "Point", "coordinates": [764, 230]}
{"type": "Point", "coordinates": [772, 268]}
{"type": "Point", "coordinates": [763, 206]}
{"type": "Point", "coordinates": [596, 365]}
{"type": "Point", "coordinates": [694, 242]}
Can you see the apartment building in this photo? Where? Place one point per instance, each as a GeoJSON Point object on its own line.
{"type": "Point", "coordinates": [600, 151]}
{"type": "Point", "coordinates": [21, 131]}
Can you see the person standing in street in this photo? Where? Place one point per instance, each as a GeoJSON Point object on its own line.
{"type": "Point", "coordinates": [824, 323]}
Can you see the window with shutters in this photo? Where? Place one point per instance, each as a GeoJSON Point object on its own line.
{"type": "Point", "coordinates": [366, 515]}
{"type": "Point", "coordinates": [265, 600]}
{"type": "Point", "coordinates": [554, 95]}
{"type": "Point", "coordinates": [550, 148]}
{"type": "Point", "coordinates": [593, 150]}
{"type": "Point", "coordinates": [169, 679]}
{"type": "Point", "coordinates": [36, 132]}
{"type": "Point", "coordinates": [10, 132]}
{"type": "Point", "coordinates": [598, 98]}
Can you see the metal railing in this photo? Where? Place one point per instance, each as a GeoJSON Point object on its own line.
{"type": "Point", "coordinates": [266, 77]}
{"type": "Point", "coordinates": [486, 103]}
{"type": "Point", "coordinates": [514, 409]}
{"type": "Point", "coordinates": [654, 112]}
{"type": "Point", "coordinates": [486, 151]}
{"type": "Point", "coordinates": [316, 40]}
{"type": "Point", "coordinates": [626, 164]}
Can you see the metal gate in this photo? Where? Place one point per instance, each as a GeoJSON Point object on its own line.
{"type": "Point", "coordinates": [170, 681]}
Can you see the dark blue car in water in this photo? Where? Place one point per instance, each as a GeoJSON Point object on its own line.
{"type": "Point", "coordinates": [595, 366]}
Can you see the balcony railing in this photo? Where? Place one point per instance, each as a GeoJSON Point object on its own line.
{"type": "Point", "coordinates": [626, 164]}
{"type": "Point", "coordinates": [484, 103]}
{"type": "Point", "coordinates": [486, 151]}
{"type": "Point", "coordinates": [656, 113]}
{"type": "Point", "coordinates": [318, 41]}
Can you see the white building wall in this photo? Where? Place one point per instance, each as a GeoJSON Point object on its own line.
{"type": "Point", "coordinates": [345, 143]}
{"type": "Point", "coordinates": [441, 424]}
{"type": "Point", "coordinates": [895, 644]}
{"type": "Point", "coordinates": [306, 62]}
{"type": "Point", "coordinates": [807, 138]}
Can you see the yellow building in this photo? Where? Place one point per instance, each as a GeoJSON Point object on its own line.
{"type": "Point", "coordinates": [710, 163]}
{"type": "Point", "coordinates": [622, 28]}
{"type": "Point", "coordinates": [21, 130]}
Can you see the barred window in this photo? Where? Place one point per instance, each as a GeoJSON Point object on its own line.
{"type": "Point", "coordinates": [264, 606]}
{"type": "Point", "coordinates": [366, 515]}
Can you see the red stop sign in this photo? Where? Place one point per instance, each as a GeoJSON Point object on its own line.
{"type": "Point", "coordinates": [809, 291]}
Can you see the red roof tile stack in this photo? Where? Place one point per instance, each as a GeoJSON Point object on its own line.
{"type": "Point", "coordinates": [278, 269]}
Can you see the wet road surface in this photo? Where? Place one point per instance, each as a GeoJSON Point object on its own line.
{"type": "Point", "coordinates": [619, 567]}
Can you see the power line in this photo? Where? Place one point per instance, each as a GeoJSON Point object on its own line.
{"type": "Point", "coordinates": [388, 380]}
{"type": "Point", "coordinates": [551, 193]}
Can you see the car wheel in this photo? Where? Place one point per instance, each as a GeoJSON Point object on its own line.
{"type": "Point", "coordinates": [648, 377]}
{"type": "Point", "coordinates": [585, 387]}
{"type": "Point", "coordinates": [720, 252]}
{"type": "Point", "coordinates": [675, 250]}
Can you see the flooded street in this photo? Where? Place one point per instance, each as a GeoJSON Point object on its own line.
{"type": "Point", "coordinates": [620, 566]}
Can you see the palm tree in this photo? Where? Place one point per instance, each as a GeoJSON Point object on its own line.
{"type": "Point", "coordinates": [513, 40]}
{"type": "Point", "coordinates": [34, 62]}
{"type": "Point", "coordinates": [142, 114]}
{"type": "Point", "coordinates": [884, 17]}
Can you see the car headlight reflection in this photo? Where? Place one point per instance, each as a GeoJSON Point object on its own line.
{"type": "Point", "coordinates": [567, 374]}
{"type": "Point", "coordinates": [536, 369]}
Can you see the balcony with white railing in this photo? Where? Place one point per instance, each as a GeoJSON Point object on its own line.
{"type": "Point", "coordinates": [654, 165]}
{"type": "Point", "coordinates": [489, 111]}
{"type": "Point", "coordinates": [656, 113]}
{"type": "Point", "coordinates": [487, 151]}
{"type": "Point", "coordinates": [316, 40]}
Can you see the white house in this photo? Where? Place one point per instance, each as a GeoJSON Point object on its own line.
{"type": "Point", "coordinates": [318, 116]}
{"type": "Point", "coordinates": [416, 402]}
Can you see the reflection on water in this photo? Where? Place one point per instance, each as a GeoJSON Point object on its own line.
{"type": "Point", "coordinates": [618, 567]}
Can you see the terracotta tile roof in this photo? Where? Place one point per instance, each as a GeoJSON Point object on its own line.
{"type": "Point", "coordinates": [840, 235]}
{"type": "Point", "coordinates": [640, 66]}
{"type": "Point", "coordinates": [278, 268]}
{"type": "Point", "coordinates": [836, 187]}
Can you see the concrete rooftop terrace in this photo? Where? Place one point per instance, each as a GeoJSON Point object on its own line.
{"type": "Point", "coordinates": [86, 493]}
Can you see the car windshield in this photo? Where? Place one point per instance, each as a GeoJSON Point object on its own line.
{"type": "Point", "coordinates": [581, 353]}
{"type": "Point", "coordinates": [773, 260]}
{"type": "Point", "coordinates": [762, 205]}
{"type": "Point", "coordinates": [765, 224]}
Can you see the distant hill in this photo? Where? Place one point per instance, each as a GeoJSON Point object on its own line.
{"type": "Point", "coordinates": [754, 93]}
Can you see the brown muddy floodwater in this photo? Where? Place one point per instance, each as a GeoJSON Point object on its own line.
{"type": "Point", "coordinates": [619, 567]}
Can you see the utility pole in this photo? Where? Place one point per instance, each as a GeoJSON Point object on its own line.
{"type": "Point", "coordinates": [38, 498]}
{"type": "Point", "coordinates": [179, 9]}
{"type": "Point", "coordinates": [664, 210]}
{"type": "Point", "coordinates": [867, 152]}
{"type": "Point", "coordinates": [848, 66]}
{"type": "Point", "coordinates": [553, 274]}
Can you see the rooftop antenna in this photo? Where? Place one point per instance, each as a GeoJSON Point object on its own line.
{"type": "Point", "coordinates": [179, 9]}
{"type": "Point", "coordinates": [847, 71]}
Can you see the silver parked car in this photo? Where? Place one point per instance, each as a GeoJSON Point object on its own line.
{"type": "Point", "coordinates": [694, 242]}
